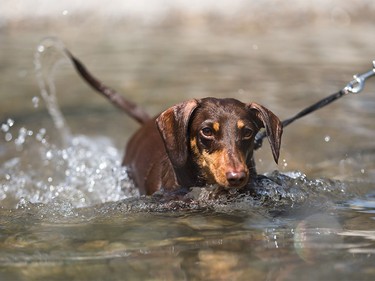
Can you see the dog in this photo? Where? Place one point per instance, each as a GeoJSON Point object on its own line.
{"type": "Point", "coordinates": [195, 143]}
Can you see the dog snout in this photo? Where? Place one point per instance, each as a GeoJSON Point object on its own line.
{"type": "Point", "coordinates": [236, 178]}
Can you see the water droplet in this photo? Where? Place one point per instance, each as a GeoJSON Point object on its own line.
{"type": "Point", "coordinates": [35, 101]}
{"type": "Point", "coordinates": [8, 137]}
{"type": "Point", "coordinates": [363, 171]}
{"type": "Point", "coordinates": [22, 134]}
{"type": "Point", "coordinates": [285, 164]}
{"type": "Point", "coordinates": [4, 128]}
{"type": "Point", "coordinates": [327, 138]}
{"type": "Point", "coordinates": [10, 122]}
{"type": "Point", "coordinates": [65, 12]}
{"type": "Point", "coordinates": [40, 134]}
{"type": "Point", "coordinates": [49, 154]}
{"type": "Point", "coordinates": [41, 48]}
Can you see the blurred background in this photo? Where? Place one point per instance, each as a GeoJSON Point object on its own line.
{"type": "Point", "coordinates": [282, 54]}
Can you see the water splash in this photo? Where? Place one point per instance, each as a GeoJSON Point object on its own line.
{"type": "Point", "coordinates": [48, 56]}
{"type": "Point", "coordinates": [82, 172]}
{"type": "Point", "coordinates": [275, 193]}
{"type": "Point", "coordinates": [85, 173]}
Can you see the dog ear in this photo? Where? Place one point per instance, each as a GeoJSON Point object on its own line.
{"type": "Point", "coordinates": [273, 127]}
{"type": "Point", "coordinates": [173, 127]}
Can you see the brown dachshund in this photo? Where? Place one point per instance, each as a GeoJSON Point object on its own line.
{"type": "Point", "coordinates": [194, 143]}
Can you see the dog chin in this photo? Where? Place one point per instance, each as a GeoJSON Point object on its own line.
{"type": "Point", "coordinates": [227, 186]}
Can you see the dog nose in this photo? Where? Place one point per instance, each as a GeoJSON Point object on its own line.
{"type": "Point", "coordinates": [236, 179]}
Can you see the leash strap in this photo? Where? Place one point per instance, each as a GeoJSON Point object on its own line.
{"type": "Point", "coordinates": [353, 87]}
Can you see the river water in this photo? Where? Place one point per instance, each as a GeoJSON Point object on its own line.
{"type": "Point", "coordinates": [69, 211]}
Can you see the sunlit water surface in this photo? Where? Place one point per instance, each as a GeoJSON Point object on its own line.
{"type": "Point", "coordinates": [69, 211]}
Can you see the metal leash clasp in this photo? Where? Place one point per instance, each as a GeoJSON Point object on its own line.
{"type": "Point", "coordinates": [358, 83]}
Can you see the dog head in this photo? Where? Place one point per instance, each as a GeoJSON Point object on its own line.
{"type": "Point", "coordinates": [218, 136]}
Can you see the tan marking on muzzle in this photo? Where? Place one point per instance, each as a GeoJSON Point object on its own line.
{"type": "Point", "coordinates": [219, 163]}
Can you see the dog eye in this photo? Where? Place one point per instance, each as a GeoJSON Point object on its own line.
{"type": "Point", "coordinates": [207, 132]}
{"type": "Point", "coordinates": [247, 133]}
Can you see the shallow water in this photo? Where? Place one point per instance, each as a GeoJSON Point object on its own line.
{"type": "Point", "coordinates": [69, 212]}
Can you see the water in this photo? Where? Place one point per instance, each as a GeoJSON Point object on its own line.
{"type": "Point", "coordinates": [69, 211]}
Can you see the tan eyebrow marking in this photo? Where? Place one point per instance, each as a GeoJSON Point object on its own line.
{"type": "Point", "coordinates": [216, 126]}
{"type": "Point", "coordinates": [240, 124]}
